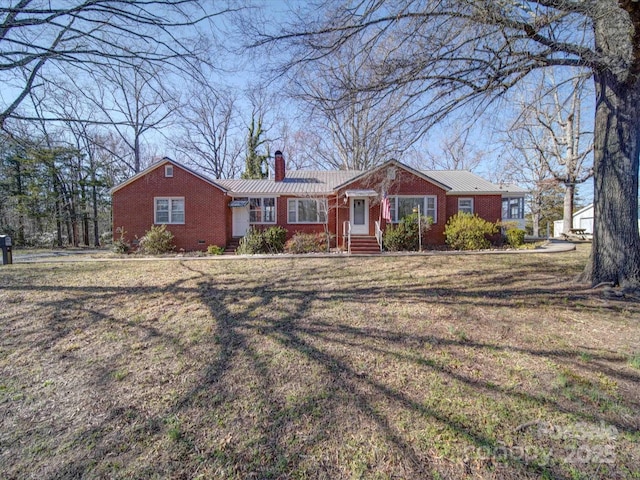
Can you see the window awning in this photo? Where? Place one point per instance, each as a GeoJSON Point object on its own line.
{"type": "Point", "coordinates": [238, 203]}
{"type": "Point", "coordinates": [361, 193]}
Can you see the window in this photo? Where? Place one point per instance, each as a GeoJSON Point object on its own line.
{"type": "Point", "coordinates": [403, 206]}
{"type": "Point", "coordinates": [465, 205]}
{"type": "Point", "coordinates": [513, 208]}
{"type": "Point", "coordinates": [307, 210]}
{"type": "Point", "coordinates": [168, 171]}
{"type": "Point", "coordinates": [262, 210]}
{"type": "Point", "coordinates": [169, 210]}
{"type": "Point", "coordinates": [431, 210]}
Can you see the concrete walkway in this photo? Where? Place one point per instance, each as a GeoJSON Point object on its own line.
{"type": "Point", "coordinates": [64, 256]}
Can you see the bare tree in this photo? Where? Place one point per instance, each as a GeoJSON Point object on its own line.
{"type": "Point", "coordinates": [546, 143]}
{"type": "Point", "coordinates": [465, 53]}
{"type": "Point", "coordinates": [209, 121]}
{"type": "Point", "coordinates": [552, 135]}
{"type": "Point", "coordinates": [40, 40]}
{"type": "Point", "coordinates": [301, 145]}
{"type": "Point", "coordinates": [455, 151]}
{"type": "Point", "coordinates": [357, 129]}
{"type": "Point", "coordinates": [524, 166]}
{"type": "Point", "coordinates": [133, 101]}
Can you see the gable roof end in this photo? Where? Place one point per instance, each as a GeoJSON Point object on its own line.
{"type": "Point", "coordinates": [160, 163]}
{"type": "Point", "coordinates": [398, 164]}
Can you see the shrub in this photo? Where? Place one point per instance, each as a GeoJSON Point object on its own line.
{"type": "Point", "coordinates": [156, 241]}
{"type": "Point", "coordinates": [251, 243]}
{"type": "Point", "coordinates": [274, 239]}
{"type": "Point", "coordinates": [215, 250]}
{"type": "Point", "coordinates": [106, 238]}
{"type": "Point", "coordinates": [515, 237]}
{"type": "Point", "coordinates": [270, 240]}
{"type": "Point", "coordinates": [404, 236]}
{"type": "Point", "coordinates": [394, 238]}
{"type": "Point", "coordinates": [469, 232]}
{"type": "Point", "coordinates": [307, 243]}
{"type": "Point", "coordinates": [41, 239]}
{"type": "Point", "coordinates": [121, 245]}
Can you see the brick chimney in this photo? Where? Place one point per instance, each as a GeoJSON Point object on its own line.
{"type": "Point", "coordinates": [279, 168]}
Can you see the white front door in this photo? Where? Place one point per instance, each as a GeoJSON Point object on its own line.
{"type": "Point", "coordinates": [359, 216]}
{"type": "Point", "coordinates": [240, 221]}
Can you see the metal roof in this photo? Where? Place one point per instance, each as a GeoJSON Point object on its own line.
{"type": "Point", "coordinates": [309, 182]}
{"type": "Point", "coordinates": [331, 178]}
{"type": "Point", "coordinates": [323, 182]}
{"type": "Point", "coordinates": [296, 182]}
{"type": "Point", "coordinates": [465, 182]}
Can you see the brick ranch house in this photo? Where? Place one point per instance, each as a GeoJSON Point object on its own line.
{"type": "Point", "coordinates": [200, 211]}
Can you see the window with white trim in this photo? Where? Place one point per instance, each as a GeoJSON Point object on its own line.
{"type": "Point", "coordinates": [306, 210]}
{"type": "Point", "coordinates": [401, 206]}
{"type": "Point", "coordinates": [465, 205]}
{"type": "Point", "coordinates": [513, 208]}
{"type": "Point", "coordinates": [168, 171]}
{"type": "Point", "coordinates": [169, 210]}
{"type": "Point", "coordinates": [262, 210]}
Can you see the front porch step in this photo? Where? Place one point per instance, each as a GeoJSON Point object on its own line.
{"type": "Point", "coordinates": [232, 246]}
{"type": "Point", "coordinates": [364, 245]}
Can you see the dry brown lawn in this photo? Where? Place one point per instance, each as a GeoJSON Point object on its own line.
{"type": "Point", "coordinates": [391, 367]}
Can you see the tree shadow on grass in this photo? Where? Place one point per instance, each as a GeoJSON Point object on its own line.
{"type": "Point", "coordinates": [284, 392]}
{"type": "Point", "coordinates": [363, 390]}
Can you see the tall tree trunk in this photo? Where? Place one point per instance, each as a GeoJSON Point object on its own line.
{"type": "Point", "coordinates": [94, 201]}
{"type": "Point", "coordinates": [85, 228]}
{"type": "Point", "coordinates": [69, 231]}
{"type": "Point", "coordinates": [58, 222]}
{"type": "Point", "coordinates": [536, 209]}
{"type": "Point", "coordinates": [567, 212]}
{"type": "Point", "coordinates": [76, 237]}
{"type": "Point", "coordinates": [73, 223]}
{"type": "Point", "coordinates": [535, 220]}
{"type": "Point", "coordinates": [616, 239]}
{"type": "Point", "coordinates": [136, 153]}
{"type": "Point", "coordinates": [58, 207]}
{"type": "Point", "coordinates": [84, 205]}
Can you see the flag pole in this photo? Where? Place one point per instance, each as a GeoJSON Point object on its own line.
{"type": "Point", "coordinates": [419, 229]}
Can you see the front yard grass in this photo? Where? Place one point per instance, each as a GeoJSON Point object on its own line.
{"type": "Point", "coordinates": [391, 367]}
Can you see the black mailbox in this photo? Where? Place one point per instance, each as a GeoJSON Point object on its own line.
{"type": "Point", "coordinates": [5, 246]}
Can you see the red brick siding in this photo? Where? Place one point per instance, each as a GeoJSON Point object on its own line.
{"type": "Point", "coordinates": [207, 216]}
{"type": "Point", "coordinates": [405, 183]}
{"type": "Point", "coordinates": [488, 207]}
{"type": "Point", "coordinates": [293, 228]}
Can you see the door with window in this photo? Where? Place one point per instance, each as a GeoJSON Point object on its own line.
{"type": "Point", "coordinates": [359, 216]}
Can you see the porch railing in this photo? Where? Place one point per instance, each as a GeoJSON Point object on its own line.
{"type": "Point", "coordinates": [346, 236]}
{"type": "Point", "coordinates": [379, 234]}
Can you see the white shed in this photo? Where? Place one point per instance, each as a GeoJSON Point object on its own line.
{"type": "Point", "coordinates": [583, 218]}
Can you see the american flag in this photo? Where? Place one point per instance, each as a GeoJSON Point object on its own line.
{"type": "Point", "coordinates": [386, 207]}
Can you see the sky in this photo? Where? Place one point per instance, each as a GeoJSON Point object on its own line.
{"type": "Point", "coordinates": [243, 72]}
